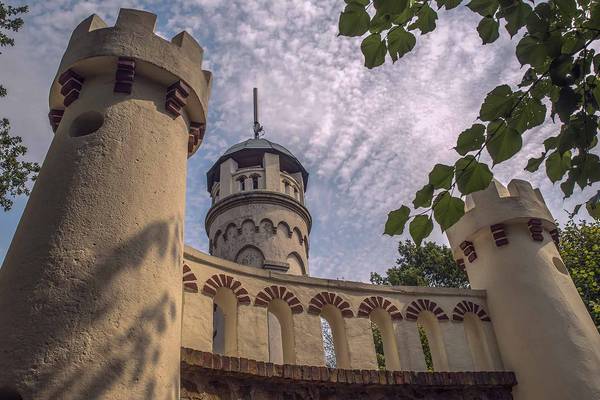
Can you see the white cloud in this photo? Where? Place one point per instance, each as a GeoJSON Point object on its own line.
{"type": "Point", "coordinates": [368, 137]}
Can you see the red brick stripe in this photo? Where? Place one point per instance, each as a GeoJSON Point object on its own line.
{"type": "Point", "coordinates": [370, 303]}
{"type": "Point", "coordinates": [264, 297]}
{"type": "Point", "coordinates": [416, 307]}
{"type": "Point", "coordinates": [465, 306]}
{"type": "Point", "coordinates": [316, 304]}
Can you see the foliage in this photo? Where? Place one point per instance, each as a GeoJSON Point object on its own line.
{"type": "Point", "coordinates": [428, 265]}
{"type": "Point", "coordinates": [377, 339]}
{"type": "Point", "coordinates": [328, 345]}
{"type": "Point", "coordinates": [426, 348]}
{"type": "Point", "coordinates": [14, 174]}
{"type": "Point", "coordinates": [580, 250]}
{"type": "Point", "coordinates": [561, 72]}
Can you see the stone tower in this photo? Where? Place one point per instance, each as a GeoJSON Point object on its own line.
{"type": "Point", "coordinates": [258, 217]}
{"type": "Point", "coordinates": [506, 241]}
{"type": "Point", "coordinates": [91, 287]}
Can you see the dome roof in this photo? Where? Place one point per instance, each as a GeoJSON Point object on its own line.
{"type": "Point", "coordinates": [249, 153]}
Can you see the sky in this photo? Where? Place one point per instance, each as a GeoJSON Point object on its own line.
{"type": "Point", "coordinates": [368, 138]}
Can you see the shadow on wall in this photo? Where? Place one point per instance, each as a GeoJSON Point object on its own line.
{"type": "Point", "coordinates": [104, 361]}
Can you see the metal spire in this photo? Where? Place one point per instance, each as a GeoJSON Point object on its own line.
{"type": "Point", "coordinates": [257, 126]}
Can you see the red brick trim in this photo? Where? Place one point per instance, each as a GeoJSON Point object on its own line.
{"type": "Point", "coordinates": [499, 235]}
{"type": "Point", "coordinates": [125, 75]}
{"type": "Point", "coordinates": [55, 116]}
{"type": "Point", "coordinates": [465, 306]}
{"type": "Point", "coordinates": [370, 303]}
{"type": "Point", "coordinates": [414, 309]}
{"type": "Point", "coordinates": [264, 297]}
{"type": "Point", "coordinates": [71, 84]}
{"type": "Point", "coordinates": [535, 229]}
{"type": "Point", "coordinates": [555, 237]}
{"type": "Point", "coordinates": [190, 283]}
{"type": "Point", "coordinates": [222, 280]}
{"type": "Point", "coordinates": [237, 365]}
{"type": "Point", "coordinates": [196, 135]}
{"type": "Point", "coordinates": [469, 250]}
{"type": "Point", "coordinates": [320, 299]}
{"type": "Point", "coordinates": [177, 95]}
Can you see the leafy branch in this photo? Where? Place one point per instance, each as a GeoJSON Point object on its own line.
{"type": "Point", "coordinates": [556, 49]}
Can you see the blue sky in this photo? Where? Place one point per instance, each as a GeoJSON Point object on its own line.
{"type": "Point", "coordinates": [367, 137]}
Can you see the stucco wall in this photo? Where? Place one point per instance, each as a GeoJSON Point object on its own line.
{"type": "Point", "coordinates": [401, 303]}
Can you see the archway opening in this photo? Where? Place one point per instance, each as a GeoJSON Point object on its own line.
{"type": "Point", "coordinates": [384, 332]}
{"type": "Point", "coordinates": [428, 325]}
{"type": "Point", "coordinates": [335, 320]}
{"type": "Point", "coordinates": [281, 333]}
{"type": "Point", "coordinates": [225, 322]}
{"type": "Point", "coordinates": [480, 352]}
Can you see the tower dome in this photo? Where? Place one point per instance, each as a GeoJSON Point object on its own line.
{"type": "Point", "coordinates": [258, 217]}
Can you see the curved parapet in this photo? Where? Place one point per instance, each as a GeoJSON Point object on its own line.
{"type": "Point", "coordinates": [497, 205]}
{"type": "Point", "coordinates": [131, 48]}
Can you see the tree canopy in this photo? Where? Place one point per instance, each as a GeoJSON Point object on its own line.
{"type": "Point", "coordinates": [554, 41]}
{"type": "Point", "coordinates": [14, 173]}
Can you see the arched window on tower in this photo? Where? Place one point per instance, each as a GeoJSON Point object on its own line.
{"type": "Point", "coordinates": [254, 182]}
{"type": "Point", "coordinates": [296, 193]}
{"type": "Point", "coordinates": [242, 183]}
{"type": "Point", "coordinates": [286, 187]}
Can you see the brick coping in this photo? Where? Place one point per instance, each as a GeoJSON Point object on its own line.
{"type": "Point", "coordinates": [323, 375]}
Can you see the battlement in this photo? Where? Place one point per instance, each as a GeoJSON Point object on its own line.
{"type": "Point", "coordinates": [95, 48]}
{"type": "Point", "coordinates": [499, 204]}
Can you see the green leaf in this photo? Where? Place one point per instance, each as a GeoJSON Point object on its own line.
{"type": "Point", "coordinates": [471, 175]}
{"type": "Point", "coordinates": [534, 163]}
{"type": "Point", "coordinates": [529, 113]}
{"type": "Point", "coordinates": [374, 50]}
{"type": "Point", "coordinates": [396, 221]}
{"type": "Point", "coordinates": [426, 18]}
{"type": "Point", "coordinates": [423, 197]}
{"type": "Point", "coordinates": [504, 141]}
{"type": "Point", "coordinates": [596, 92]}
{"type": "Point", "coordinates": [516, 16]}
{"type": "Point", "coordinates": [532, 52]}
{"type": "Point", "coordinates": [557, 165]}
{"type": "Point", "coordinates": [561, 71]}
{"type": "Point", "coordinates": [441, 176]}
{"type": "Point", "coordinates": [488, 30]}
{"type": "Point", "coordinates": [485, 8]}
{"type": "Point", "coordinates": [568, 186]}
{"type": "Point", "coordinates": [470, 139]}
{"type": "Point", "coordinates": [449, 4]}
{"type": "Point", "coordinates": [380, 23]}
{"type": "Point", "coordinates": [567, 7]}
{"type": "Point", "coordinates": [497, 103]}
{"type": "Point", "coordinates": [390, 6]}
{"type": "Point", "coordinates": [572, 42]}
{"type": "Point", "coordinates": [550, 143]}
{"type": "Point", "coordinates": [400, 42]}
{"type": "Point", "coordinates": [354, 20]}
{"type": "Point", "coordinates": [420, 227]}
{"type": "Point", "coordinates": [593, 206]}
{"type": "Point", "coordinates": [448, 210]}
{"type": "Point", "coordinates": [568, 102]}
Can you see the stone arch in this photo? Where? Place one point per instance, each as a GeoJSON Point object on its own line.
{"type": "Point", "coordinates": [264, 297]}
{"type": "Point", "coordinates": [298, 235]}
{"type": "Point", "coordinates": [190, 284]}
{"type": "Point", "coordinates": [216, 239]}
{"type": "Point", "coordinates": [465, 306]}
{"type": "Point", "coordinates": [286, 228]}
{"type": "Point", "coordinates": [321, 299]}
{"type": "Point", "coordinates": [416, 307]}
{"type": "Point", "coordinates": [251, 256]}
{"type": "Point", "coordinates": [296, 264]}
{"type": "Point", "coordinates": [231, 227]}
{"type": "Point", "coordinates": [306, 245]}
{"type": "Point", "coordinates": [225, 281]}
{"type": "Point", "coordinates": [267, 225]}
{"type": "Point", "coordinates": [250, 224]}
{"type": "Point", "coordinates": [370, 303]}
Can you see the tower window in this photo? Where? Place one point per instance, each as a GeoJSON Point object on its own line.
{"type": "Point", "coordinates": [296, 193]}
{"type": "Point", "coordinates": [255, 182]}
{"type": "Point", "coordinates": [242, 181]}
{"type": "Point", "coordinates": [286, 186]}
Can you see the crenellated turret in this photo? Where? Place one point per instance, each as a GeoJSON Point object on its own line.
{"type": "Point", "coordinates": [90, 289]}
{"type": "Point", "coordinates": [507, 241]}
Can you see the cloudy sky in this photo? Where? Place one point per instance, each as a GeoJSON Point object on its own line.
{"type": "Point", "coordinates": [367, 137]}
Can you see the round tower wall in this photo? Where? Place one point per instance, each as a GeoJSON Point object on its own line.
{"type": "Point", "coordinates": [544, 331]}
{"type": "Point", "coordinates": [261, 229]}
{"type": "Point", "coordinates": [90, 289]}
